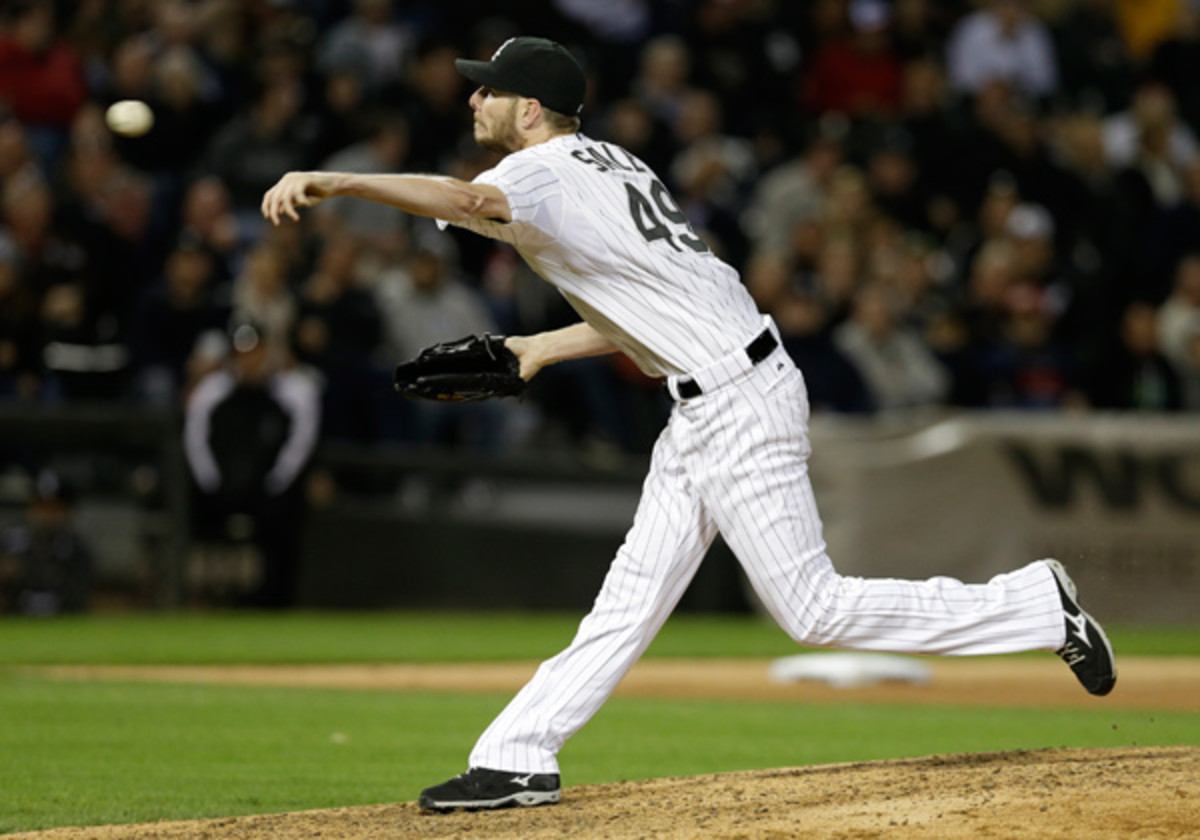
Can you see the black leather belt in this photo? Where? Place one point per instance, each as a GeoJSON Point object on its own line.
{"type": "Point", "coordinates": [757, 350]}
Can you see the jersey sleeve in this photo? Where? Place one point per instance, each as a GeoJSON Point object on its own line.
{"type": "Point", "coordinates": [534, 194]}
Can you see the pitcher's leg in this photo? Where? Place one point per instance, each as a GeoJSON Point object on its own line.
{"type": "Point", "coordinates": [762, 500]}
{"type": "Point", "coordinates": [661, 553]}
{"type": "Point", "coordinates": [1015, 611]}
{"type": "Point", "coordinates": [785, 559]}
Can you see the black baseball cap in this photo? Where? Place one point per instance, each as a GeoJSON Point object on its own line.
{"type": "Point", "coordinates": [533, 67]}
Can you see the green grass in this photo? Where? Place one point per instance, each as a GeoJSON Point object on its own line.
{"type": "Point", "coordinates": [92, 753]}
{"type": "Point", "coordinates": [95, 753]}
{"type": "Point", "coordinates": [84, 753]}
{"type": "Point", "coordinates": [200, 638]}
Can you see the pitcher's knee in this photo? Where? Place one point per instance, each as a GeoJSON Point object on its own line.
{"type": "Point", "coordinates": [806, 614]}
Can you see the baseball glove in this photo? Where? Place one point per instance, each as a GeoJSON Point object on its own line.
{"type": "Point", "coordinates": [476, 367]}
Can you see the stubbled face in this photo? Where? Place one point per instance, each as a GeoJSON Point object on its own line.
{"type": "Point", "coordinates": [496, 120]}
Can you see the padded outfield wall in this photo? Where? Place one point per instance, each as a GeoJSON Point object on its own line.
{"type": "Point", "coordinates": [1117, 498]}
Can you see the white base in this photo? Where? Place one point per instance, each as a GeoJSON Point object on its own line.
{"type": "Point", "coordinates": [849, 670]}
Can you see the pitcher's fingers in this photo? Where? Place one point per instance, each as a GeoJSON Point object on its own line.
{"type": "Point", "coordinates": [270, 208]}
{"type": "Point", "coordinates": [281, 205]}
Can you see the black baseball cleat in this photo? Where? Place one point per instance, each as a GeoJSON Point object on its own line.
{"type": "Point", "coordinates": [1087, 649]}
{"type": "Point", "coordinates": [482, 788]}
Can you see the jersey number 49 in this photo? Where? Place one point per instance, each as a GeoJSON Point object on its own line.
{"type": "Point", "coordinates": [648, 215]}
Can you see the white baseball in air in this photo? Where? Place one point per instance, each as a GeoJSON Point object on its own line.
{"type": "Point", "coordinates": [129, 117]}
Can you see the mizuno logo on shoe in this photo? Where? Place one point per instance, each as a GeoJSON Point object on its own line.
{"type": "Point", "coordinates": [1071, 654]}
{"type": "Point", "coordinates": [1079, 626]}
{"type": "Point", "coordinates": [523, 781]}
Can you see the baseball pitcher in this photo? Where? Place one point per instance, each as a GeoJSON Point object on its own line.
{"type": "Point", "coordinates": [594, 221]}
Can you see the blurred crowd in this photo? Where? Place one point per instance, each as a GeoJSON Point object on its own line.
{"type": "Point", "coordinates": [988, 205]}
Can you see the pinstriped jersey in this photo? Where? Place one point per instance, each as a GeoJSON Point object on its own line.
{"type": "Point", "coordinates": [594, 221]}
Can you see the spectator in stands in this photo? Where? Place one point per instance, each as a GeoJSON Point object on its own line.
{"type": "Point", "coordinates": [261, 295]}
{"type": "Point", "coordinates": [1002, 41]}
{"type": "Point", "coordinates": [793, 192]}
{"type": "Point", "coordinates": [713, 172]}
{"type": "Point", "coordinates": [131, 70]}
{"type": "Point", "coordinates": [207, 217]}
{"type": "Point", "coordinates": [81, 344]}
{"type": "Point", "coordinates": [174, 314]}
{"type": "Point", "coordinates": [1134, 375]}
{"type": "Point", "coordinates": [1031, 229]}
{"type": "Point", "coordinates": [19, 345]}
{"type": "Point", "coordinates": [1074, 296]}
{"type": "Point", "coordinates": [1179, 315]}
{"type": "Point", "coordinates": [1190, 374]}
{"type": "Point", "coordinates": [15, 153]}
{"type": "Point", "coordinates": [108, 206]}
{"type": "Point", "coordinates": [900, 372]}
{"type": "Point", "coordinates": [919, 273]}
{"type": "Point", "coordinates": [1150, 134]}
{"type": "Point", "coordinates": [1025, 154]}
{"type": "Point", "coordinates": [848, 208]}
{"type": "Point", "coordinates": [185, 116]}
{"type": "Point", "coordinates": [1176, 63]}
{"type": "Point", "coordinates": [894, 180]}
{"type": "Point", "coordinates": [834, 383]}
{"type": "Point", "coordinates": [45, 253]}
{"type": "Point", "coordinates": [811, 288]}
{"type": "Point", "coordinates": [773, 275]}
{"type": "Point", "coordinates": [1106, 219]}
{"type": "Point", "coordinates": [839, 270]}
{"type": "Point", "coordinates": [46, 565]}
{"type": "Point", "coordinates": [249, 433]}
{"type": "Point", "coordinates": [1026, 367]}
{"type": "Point", "coordinates": [432, 101]}
{"type": "Point", "coordinates": [342, 112]}
{"type": "Point", "coordinates": [749, 61]}
{"type": "Point", "coordinates": [273, 136]}
{"type": "Point", "coordinates": [858, 76]}
{"type": "Point", "coordinates": [615, 24]}
{"type": "Point", "coordinates": [664, 76]}
{"type": "Point", "coordinates": [629, 123]}
{"type": "Point", "coordinates": [227, 36]}
{"type": "Point", "coordinates": [967, 238]}
{"type": "Point", "coordinates": [84, 357]}
{"type": "Point", "coordinates": [41, 75]}
{"type": "Point", "coordinates": [370, 40]}
{"type": "Point", "coordinates": [338, 331]}
{"type": "Point", "coordinates": [918, 28]}
{"type": "Point", "coordinates": [822, 21]}
{"type": "Point", "coordinates": [424, 303]}
{"type": "Point", "coordinates": [925, 117]}
{"type": "Point", "coordinates": [1097, 72]}
{"type": "Point", "coordinates": [981, 308]}
{"type": "Point", "coordinates": [382, 228]}
{"type": "Point", "coordinates": [1176, 230]}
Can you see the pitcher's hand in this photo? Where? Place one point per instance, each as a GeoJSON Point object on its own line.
{"type": "Point", "coordinates": [525, 349]}
{"type": "Point", "coordinates": [294, 190]}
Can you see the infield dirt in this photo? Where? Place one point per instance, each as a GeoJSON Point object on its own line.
{"type": "Point", "coordinates": [1100, 794]}
{"type": "Point", "coordinates": [1109, 794]}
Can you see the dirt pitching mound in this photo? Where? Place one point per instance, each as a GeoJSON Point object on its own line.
{"type": "Point", "coordinates": [1100, 794]}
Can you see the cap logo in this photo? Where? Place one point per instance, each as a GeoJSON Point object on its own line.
{"type": "Point", "coordinates": [500, 48]}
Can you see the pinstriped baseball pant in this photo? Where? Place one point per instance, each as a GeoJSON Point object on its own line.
{"type": "Point", "coordinates": [735, 460]}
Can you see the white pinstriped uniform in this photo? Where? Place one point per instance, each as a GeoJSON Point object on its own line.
{"type": "Point", "coordinates": [589, 219]}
